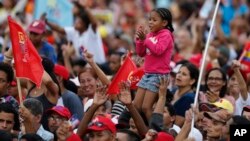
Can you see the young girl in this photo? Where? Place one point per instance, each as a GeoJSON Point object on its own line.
{"type": "Point", "coordinates": [157, 48]}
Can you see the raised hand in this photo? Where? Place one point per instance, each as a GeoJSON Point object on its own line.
{"type": "Point", "coordinates": [125, 94]}
{"type": "Point", "coordinates": [236, 64]}
{"type": "Point", "coordinates": [100, 96]}
{"type": "Point", "coordinates": [151, 135]}
{"type": "Point", "coordinates": [140, 33]}
{"type": "Point", "coordinates": [68, 50]}
{"type": "Point", "coordinates": [63, 131]}
{"type": "Point", "coordinates": [164, 82]}
{"type": "Point", "coordinates": [88, 56]}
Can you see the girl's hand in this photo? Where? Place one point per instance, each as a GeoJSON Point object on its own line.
{"type": "Point", "coordinates": [100, 96]}
{"type": "Point", "coordinates": [140, 33]}
{"type": "Point", "coordinates": [164, 82]}
{"type": "Point", "coordinates": [125, 95]}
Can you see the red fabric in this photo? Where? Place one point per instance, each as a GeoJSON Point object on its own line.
{"type": "Point", "coordinates": [28, 63]}
{"type": "Point", "coordinates": [134, 77]}
{"type": "Point", "coordinates": [74, 137]}
{"type": "Point", "coordinates": [122, 75]}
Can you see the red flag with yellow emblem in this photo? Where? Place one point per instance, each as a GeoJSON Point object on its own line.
{"type": "Point", "coordinates": [122, 75]}
{"type": "Point", "coordinates": [28, 63]}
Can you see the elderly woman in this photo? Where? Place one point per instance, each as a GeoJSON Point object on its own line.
{"type": "Point", "coordinates": [215, 87]}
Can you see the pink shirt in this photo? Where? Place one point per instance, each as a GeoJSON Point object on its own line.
{"type": "Point", "coordinates": [157, 49]}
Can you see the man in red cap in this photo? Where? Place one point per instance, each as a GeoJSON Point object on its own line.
{"type": "Point", "coordinates": [37, 33]}
{"type": "Point", "coordinates": [56, 116]}
{"type": "Point", "coordinates": [101, 129]}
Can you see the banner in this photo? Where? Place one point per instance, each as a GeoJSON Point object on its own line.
{"type": "Point", "coordinates": [58, 11]}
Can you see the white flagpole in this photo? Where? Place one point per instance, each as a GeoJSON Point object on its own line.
{"type": "Point", "coordinates": [204, 58]}
{"type": "Point", "coordinates": [19, 91]}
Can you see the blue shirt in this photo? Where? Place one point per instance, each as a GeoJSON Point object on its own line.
{"type": "Point", "coordinates": [48, 51]}
{"type": "Point", "coordinates": [184, 103]}
{"type": "Point", "coordinates": [228, 12]}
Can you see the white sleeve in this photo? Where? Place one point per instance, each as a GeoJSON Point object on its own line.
{"type": "Point", "coordinates": [70, 32]}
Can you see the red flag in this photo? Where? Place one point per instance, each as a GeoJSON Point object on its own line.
{"type": "Point", "coordinates": [28, 63]}
{"type": "Point", "coordinates": [134, 77]}
{"type": "Point", "coordinates": [122, 75]}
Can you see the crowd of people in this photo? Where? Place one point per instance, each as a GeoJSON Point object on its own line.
{"type": "Point", "coordinates": [166, 41]}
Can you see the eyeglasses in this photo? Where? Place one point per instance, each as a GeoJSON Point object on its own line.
{"type": "Point", "coordinates": [98, 124]}
{"type": "Point", "coordinates": [57, 119]}
{"type": "Point", "coordinates": [214, 78]}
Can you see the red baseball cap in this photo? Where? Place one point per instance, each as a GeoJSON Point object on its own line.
{"type": "Point", "coordinates": [101, 123]}
{"type": "Point", "coordinates": [61, 71]}
{"type": "Point", "coordinates": [60, 110]}
{"type": "Point", "coordinates": [162, 136]}
{"type": "Point", "coordinates": [37, 26]}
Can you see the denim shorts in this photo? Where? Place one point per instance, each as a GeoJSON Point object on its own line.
{"type": "Point", "coordinates": [149, 81]}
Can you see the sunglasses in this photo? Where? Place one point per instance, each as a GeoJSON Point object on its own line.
{"type": "Point", "coordinates": [98, 124]}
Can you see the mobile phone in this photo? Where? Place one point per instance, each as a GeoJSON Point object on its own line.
{"type": "Point", "coordinates": [74, 121]}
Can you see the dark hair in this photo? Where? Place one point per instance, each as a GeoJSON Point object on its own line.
{"type": "Point", "coordinates": [224, 78]}
{"type": "Point", "coordinates": [240, 120]}
{"type": "Point", "coordinates": [8, 70]}
{"type": "Point", "coordinates": [8, 108]}
{"type": "Point", "coordinates": [193, 71]}
{"type": "Point", "coordinates": [170, 108]}
{"type": "Point", "coordinates": [32, 137]}
{"type": "Point", "coordinates": [132, 136]}
{"type": "Point", "coordinates": [48, 66]}
{"type": "Point", "coordinates": [84, 17]}
{"type": "Point", "coordinates": [5, 136]}
{"type": "Point", "coordinates": [69, 85]}
{"type": "Point", "coordinates": [165, 14]}
{"type": "Point", "coordinates": [34, 106]}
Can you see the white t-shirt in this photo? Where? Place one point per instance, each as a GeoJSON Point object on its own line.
{"type": "Point", "coordinates": [89, 39]}
{"type": "Point", "coordinates": [240, 103]}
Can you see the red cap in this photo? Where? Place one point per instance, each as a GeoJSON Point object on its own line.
{"type": "Point", "coordinates": [162, 136]}
{"type": "Point", "coordinates": [62, 111]}
{"type": "Point", "coordinates": [61, 71]}
{"type": "Point", "coordinates": [37, 26]}
{"type": "Point", "coordinates": [101, 123]}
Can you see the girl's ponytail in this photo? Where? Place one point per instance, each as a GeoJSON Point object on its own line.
{"type": "Point", "coordinates": [170, 27]}
{"type": "Point", "coordinates": [166, 15]}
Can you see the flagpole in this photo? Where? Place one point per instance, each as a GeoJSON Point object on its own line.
{"type": "Point", "coordinates": [19, 91]}
{"type": "Point", "coordinates": [204, 58]}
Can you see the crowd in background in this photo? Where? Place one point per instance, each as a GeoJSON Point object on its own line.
{"type": "Point", "coordinates": [81, 60]}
